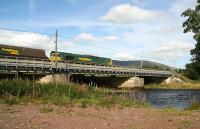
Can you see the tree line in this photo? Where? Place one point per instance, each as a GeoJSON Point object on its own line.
{"type": "Point", "coordinates": [192, 24]}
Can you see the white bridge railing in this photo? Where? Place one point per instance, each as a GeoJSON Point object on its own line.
{"type": "Point", "coordinates": [34, 63]}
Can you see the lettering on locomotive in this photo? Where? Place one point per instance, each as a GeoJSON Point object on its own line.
{"type": "Point", "coordinates": [84, 59]}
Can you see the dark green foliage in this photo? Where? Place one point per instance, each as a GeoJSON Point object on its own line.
{"type": "Point", "coordinates": [192, 24]}
{"type": "Point", "coordinates": [191, 72]}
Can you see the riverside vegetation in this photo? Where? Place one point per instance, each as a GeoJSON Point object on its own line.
{"type": "Point", "coordinates": [187, 85]}
{"type": "Point", "coordinates": [26, 91]}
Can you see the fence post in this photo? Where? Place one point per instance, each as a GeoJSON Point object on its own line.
{"type": "Point", "coordinates": [6, 61]}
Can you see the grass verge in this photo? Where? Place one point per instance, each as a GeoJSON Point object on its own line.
{"type": "Point", "coordinates": [188, 85]}
{"type": "Point", "coordinates": [25, 91]}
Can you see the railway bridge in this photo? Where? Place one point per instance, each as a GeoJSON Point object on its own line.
{"type": "Point", "coordinates": [33, 66]}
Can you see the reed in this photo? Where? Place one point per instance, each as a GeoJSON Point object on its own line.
{"type": "Point", "coordinates": [195, 104]}
{"type": "Point", "coordinates": [16, 91]}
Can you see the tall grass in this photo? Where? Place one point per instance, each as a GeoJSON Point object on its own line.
{"type": "Point", "coordinates": [194, 105]}
{"type": "Point", "coordinates": [15, 91]}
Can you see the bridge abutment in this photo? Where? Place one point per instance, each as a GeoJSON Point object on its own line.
{"type": "Point", "coordinates": [133, 82]}
{"type": "Point", "coordinates": [56, 78]}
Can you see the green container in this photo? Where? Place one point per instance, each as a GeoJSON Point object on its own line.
{"type": "Point", "coordinates": [63, 56]}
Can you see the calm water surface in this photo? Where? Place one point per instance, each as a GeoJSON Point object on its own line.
{"type": "Point", "coordinates": [161, 98]}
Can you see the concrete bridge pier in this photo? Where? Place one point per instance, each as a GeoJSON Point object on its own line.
{"type": "Point", "coordinates": [133, 82]}
{"type": "Point", "coordinates": [56, 78]}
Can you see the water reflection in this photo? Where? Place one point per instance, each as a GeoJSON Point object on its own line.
{"type": "Point", "coordinates": [161, 98]}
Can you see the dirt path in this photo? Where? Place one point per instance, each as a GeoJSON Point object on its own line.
{"type": "Point", "coordinates": [54, 117]}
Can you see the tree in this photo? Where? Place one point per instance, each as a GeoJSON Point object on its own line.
{"type": "Point", "coordinates": [192, 24]}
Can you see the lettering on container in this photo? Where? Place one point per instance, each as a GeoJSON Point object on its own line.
{"type": "Point", "coordinates": [10, 51]}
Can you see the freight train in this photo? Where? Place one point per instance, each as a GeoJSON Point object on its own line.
{"type": "Point", "coordinates": [23, 52]}
{"type": "Point", "coordinates": [89, 59]}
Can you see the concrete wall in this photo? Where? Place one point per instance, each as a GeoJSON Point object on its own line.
{"type": "Point", "coordinates": [55, 78]}
{"type": "Point", "coordinates": [134, 82]}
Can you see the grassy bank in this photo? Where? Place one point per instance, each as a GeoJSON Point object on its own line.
{"type": "Point", "coordinates": [187, 85]}
{"type": "Point", "coordinates": [25, 91]}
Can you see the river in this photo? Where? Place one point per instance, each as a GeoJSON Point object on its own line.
{"type": "Point", "coordinates": [162, 98]}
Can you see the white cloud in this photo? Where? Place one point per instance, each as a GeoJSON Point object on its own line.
{"type": "Point", "coordinates": [91, 38]}
{"type": "Point", "coordinates": [85, 37]}
{"type": "Point", "coordinates": [124, 56]}
{"type": "Point", "coordinates": [128, 14]}
{"type": "Point", "coordinates": [172, 50]}
{"type": "Point", "coordinates": [31, 40]}
{"type": "Point", "coordinates": [24, 39]}
{"type": "Point", "coordinates": [64, 46]}
{"type": "Point", "coordinates": [111, 38]}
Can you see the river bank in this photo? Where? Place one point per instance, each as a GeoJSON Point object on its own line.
{"type": "Point", "coordinates": [24, 91]}
{"type": "Point", "coordinates": [38, 116]}
{"type": "Point", "coordinates": [186, 85]}
{"type": "Point", "coordinates": [26, 104]}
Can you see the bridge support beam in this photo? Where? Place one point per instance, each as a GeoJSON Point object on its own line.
{"type": "Point", "coordinates": [133, 82]}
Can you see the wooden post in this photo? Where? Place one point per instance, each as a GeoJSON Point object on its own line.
{"type": "Point", "coordinates": [33, 77]}
{"type": "Point", "coordinates": [17, 75]}
{"type": "Point", "coordinates": [68, 78]}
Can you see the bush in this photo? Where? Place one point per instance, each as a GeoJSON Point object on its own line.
{"type": "Point", "coordinates": [191, 72]}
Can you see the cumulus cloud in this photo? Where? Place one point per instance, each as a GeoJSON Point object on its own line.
{"type": "Point", "coordinates": [128, 14]}
{"type": "Point", "coordinates": [91, 38]}
{"type": "Point", "coordinates": [124, 56]}
{"type": "Point", "coordinates": [111, 38]}
{"type": "Point", "coordinates": [85, 37]}
{"type": "Point", "coordinates": [172, 50]}
{"type": "Point", "coordinates": [32, 40]}
{"type": "Point", "coordinates": [64, 46]}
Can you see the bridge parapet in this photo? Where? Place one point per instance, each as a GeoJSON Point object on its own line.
{"type": "Point", "coordinates": [26, 65]}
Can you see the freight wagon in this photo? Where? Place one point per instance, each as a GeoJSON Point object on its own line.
{"type": "Point", "coordinates": [88, 59]}
{"type": "Point", "coordinates": [15, 51]}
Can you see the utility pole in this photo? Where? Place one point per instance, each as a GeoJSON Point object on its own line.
{"type": "Point", "coordinates": [174, 65]}
{"type": "Point", "coordinates": [56, 48]}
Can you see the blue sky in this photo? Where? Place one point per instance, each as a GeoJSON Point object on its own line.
{"type": "Point", "coordinates": [119, 29]}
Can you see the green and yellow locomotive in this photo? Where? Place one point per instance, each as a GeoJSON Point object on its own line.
{"type": "Point", "coordinates": [77, 58]}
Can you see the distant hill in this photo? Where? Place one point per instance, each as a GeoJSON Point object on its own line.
{"type": "Point", "coordinates": [145, 64]}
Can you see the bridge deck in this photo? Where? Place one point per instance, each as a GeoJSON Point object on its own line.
{"type": "Point", "coordinates": [25, 65]}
